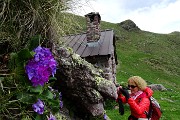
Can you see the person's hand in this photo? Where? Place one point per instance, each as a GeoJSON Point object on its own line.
{"type": "Point", "coordinates": [125, 93]}
{"type": "Point", "coordinates": [121, 107]}
{"type": "Point", "coordinates": [118, 90]}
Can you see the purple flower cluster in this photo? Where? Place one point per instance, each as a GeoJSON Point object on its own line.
{"type": "Point", "coordinates": [38, 107]}
{"type": "Point", "coordinates": [41, 66]}
{"type": "Point", "coordinates": [51, 117]}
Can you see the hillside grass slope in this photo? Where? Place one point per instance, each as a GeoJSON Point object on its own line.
{"type": "Point", "coordinates": [154, 57]}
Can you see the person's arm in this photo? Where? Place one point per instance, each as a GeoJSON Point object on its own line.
{"type": "Point", "coordinates": [122, 98]}
{"type": "Point", "coordinates": [120, 95]}
{"type": "Point", "coordinates": [141, 107]}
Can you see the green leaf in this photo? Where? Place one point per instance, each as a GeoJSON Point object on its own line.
{"type": "Point", "coordinates": [32, 53]}
{"type": "Point", "coordinates": [38, 89]}
{"type": "Point", "coordinates": [24, 55]}
{"type": "Point", "coordinates": [52, 78]}
{"type": "Point", "coordinates": [54, 102]}
{"type": "Point", "coordinates": [13, 61]}
{"type": "Point", "coordinates": [18, 71]}
{"type": "Point", "coordinates": [48, 94]}
{"type": "Point", "coordinates": [18, 60]}
{"type": "Point", "coordinates": [25, 97]}
{"type": "Point", "coordinates": [39, 117]}
{"type": "Point", "coordinates": [34, 42]}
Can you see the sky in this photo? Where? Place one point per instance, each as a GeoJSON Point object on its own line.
{"type": "Point", "coordinates": [158, 16]}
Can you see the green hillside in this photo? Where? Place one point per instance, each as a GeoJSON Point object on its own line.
{"type": "Point", "coordinates": [154, 57]}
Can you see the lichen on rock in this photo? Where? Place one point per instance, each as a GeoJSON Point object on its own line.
{"type": "Point", "coordinates": [81, 83]}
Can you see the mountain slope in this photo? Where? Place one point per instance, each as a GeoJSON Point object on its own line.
{"type": "Point", "coordinates": [158, 52]}
{"type": "Point", "coordinates": [154, 57]}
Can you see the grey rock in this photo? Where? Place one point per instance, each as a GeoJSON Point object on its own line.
{"type": "Point", "coordinates": [129, 25]}
{"type": "Point", "coordinates": [81, 83]}
{"type": "Point", "coordinates": [159, 87]}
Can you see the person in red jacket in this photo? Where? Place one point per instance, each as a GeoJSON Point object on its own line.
{"type": "Point", "coordinates": [138, 99]}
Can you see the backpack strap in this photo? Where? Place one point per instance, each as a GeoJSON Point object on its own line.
{"type": "Point", "coordinates": [148, 114]}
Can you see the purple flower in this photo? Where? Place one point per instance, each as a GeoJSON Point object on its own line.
{"type": "Point", "coordinates": [51, 117]}
{"type": "Point", "coordinates": [105, 117]}
{"type": "Point", "coordinates": [61, 104]}
{"type": "Point", "coordinates": [38, 107]}
{"type": "Point", "coordinates": [41, 66]}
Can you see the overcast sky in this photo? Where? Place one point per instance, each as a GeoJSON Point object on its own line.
{"type": "Point", "coordinates": [159, 16]}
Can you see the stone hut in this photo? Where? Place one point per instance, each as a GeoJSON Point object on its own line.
{"type": "Point", "coordinates": [95, 46]}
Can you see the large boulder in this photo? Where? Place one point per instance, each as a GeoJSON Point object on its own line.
{"type": "Point", "coordinates": [129, 25]}
{"type": "Point", "coordinates": [158, 87]}
{"type": "Point", "coordinates": [82, 84]}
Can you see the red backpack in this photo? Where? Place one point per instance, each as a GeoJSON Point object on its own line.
{"type": "Point", "coordinates": [154, 109]}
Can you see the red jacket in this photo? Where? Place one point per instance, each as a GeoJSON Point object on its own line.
{"type": "Point", "coordinates": [140, 104]}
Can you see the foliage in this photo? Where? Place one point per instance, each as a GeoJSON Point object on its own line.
{"type": "Point", "coordinates": [23, 19]}
{"type": "Point", "coordinates": [29, 94]}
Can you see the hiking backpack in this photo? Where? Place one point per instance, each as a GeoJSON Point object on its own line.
{"type": "Point", "coordinates": [154, 109]}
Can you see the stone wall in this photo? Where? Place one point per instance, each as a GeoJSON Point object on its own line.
{"type": "Point", "coordinates": [107, 64]}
